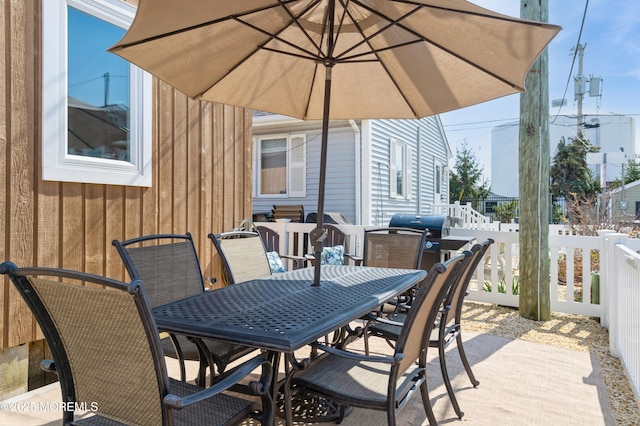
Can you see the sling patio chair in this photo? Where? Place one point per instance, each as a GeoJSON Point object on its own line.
{"type": "Point", "coordinates": [271, 241]}
{"type": "Point", "coordinates": [394, 247]}
{"type": "Point", "coordinates": [243, 255]}
{"type": "Point", "coordinates": [108, 356]}
{"type": "Point", "coordinates": [447, 327]}
{"type": "Point", "coordinates": [383, 382]}
{"type": "Point", "coordinates": [168, 266]}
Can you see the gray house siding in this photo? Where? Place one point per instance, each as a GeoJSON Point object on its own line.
{"type": "Point", "coordinates": [358, 172]}
{"type": "Point", "coordinates": [632, 197]}
{"type": "Point", "coordinates": [428, 146]}
{"type": "Point", "coordinates": [340, 179]}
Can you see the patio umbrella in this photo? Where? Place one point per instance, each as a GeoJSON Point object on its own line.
{"type": "Point", "coordinates": [335, 59]}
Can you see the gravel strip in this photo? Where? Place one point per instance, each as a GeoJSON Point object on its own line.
{"type": "Point", "coordinates": [575, 332]}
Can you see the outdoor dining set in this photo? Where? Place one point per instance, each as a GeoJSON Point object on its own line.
{"type": "Point", "coordinates": [110, 339]}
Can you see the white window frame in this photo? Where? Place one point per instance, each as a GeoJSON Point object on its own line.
{"type": "Point", "coordinates": [438, 181]}
{"type": "Point", "coordinates": [296, 169]}
{"type": "Point", "coordinates": [407, 175]}
{"type": "Point", "coordinates": [57, 163]}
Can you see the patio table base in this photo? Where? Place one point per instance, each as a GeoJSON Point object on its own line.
{"type": "Point", "coordinates": [310, 407]}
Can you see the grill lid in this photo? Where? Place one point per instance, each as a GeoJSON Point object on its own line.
{"type": "Point", "coordinates": [438, 225]}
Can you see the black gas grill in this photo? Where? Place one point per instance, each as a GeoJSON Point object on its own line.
{"type": "Point", "coordinates": [438, 239]}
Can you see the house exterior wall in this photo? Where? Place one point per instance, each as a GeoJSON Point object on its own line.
{"type": "Point", "coordinates": [428, 146]}
{"type": "Point", "coordinates": [340, 185]}
{"type": "Point", "coordinates": [201, 179]}
{"type": "Point", "coordinates": [632, 196]}
{"type": "Point", "coordinates": [612, 133]}
{"type": "Point", "coordinates": [357, 181]}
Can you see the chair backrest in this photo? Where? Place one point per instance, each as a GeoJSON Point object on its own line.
{"type": "Point", "coordinates": [167, 264]}
{"type": "Point", "coordinates": [394, 247]}
{"type": "Point", "coordinates": [458, 292]}
{"type": "Point", "coordinates": [425, 308]}
{"type": "Point", "coordinates": [335, 237]}
{"type": "Point", "coordinates": [103, 339]}
{"type": "Point", "coordinates": [243, 255]}
{"type": "Point", "coordinates": [270, 238]}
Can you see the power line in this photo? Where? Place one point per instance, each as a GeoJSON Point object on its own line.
{"type": "Point", "coordinates": [575, 54]}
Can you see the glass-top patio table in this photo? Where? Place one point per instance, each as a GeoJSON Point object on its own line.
{"type": "Point", "coordinates": [283, 312]}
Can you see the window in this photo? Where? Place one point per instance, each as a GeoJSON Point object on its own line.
{"type": "Point", "coordinates": [281, 165]}
{"type": "Point", "coordinates": [437, 193]}
{"type": "Point", "coordinates": [400, 170]}
{"type": "Point", "coordinates": [96, 106]}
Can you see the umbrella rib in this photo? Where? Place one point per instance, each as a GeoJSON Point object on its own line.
{"type": "Point", "coordinates": [296, 20]}
{"type": "Point", "coordinates": [309, 55]}
{"type": "Point", "coordinates": [200, 25]}
{"type": "Point", "coordinates": [272, 36]}
{"type": "Point", "coordinates": [441, 47]}
{"type": "Point", "coordinates": [366, 39]}
{"type": "Point", "coordinates": [465, 12]}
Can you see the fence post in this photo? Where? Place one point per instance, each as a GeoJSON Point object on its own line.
{"type": "Point", "coordinates": [609, 285]}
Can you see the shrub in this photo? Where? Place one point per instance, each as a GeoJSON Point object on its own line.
{"type": "Point", "coordinates": [502, 287]}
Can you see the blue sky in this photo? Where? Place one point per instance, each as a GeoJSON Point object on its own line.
{"type": "Point", "coordinates": [611, 32]}
{"type": "Point", "coordinates": [89, 37]}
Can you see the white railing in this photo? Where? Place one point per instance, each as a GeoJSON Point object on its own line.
{"type": "Point", "coordinates": [471, 219]}
{"type": "Point", "coordinates": [623, 316]}
{"type": "Point", "coordinates": [495, 281]}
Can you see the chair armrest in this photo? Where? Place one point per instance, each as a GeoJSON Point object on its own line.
{"type": "Point", "coordinates": [383, 320]}
{"type": "Point", "coordinates": [357, 261]}
{"type": "Point", "coordinates": [310, 258]}
{"type": "Point", "coordinates": [356, 356]}
{"type": "Point", "coordinates": [298, 261]}
{"type": "Point", "coordinates": [239, 373]}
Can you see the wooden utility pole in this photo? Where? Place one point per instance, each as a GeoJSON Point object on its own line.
{"type": "Point", "coordinates": [534, 162]}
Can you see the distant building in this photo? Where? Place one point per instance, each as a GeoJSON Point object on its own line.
{"type": "Point", "coordinates": [609, 132]}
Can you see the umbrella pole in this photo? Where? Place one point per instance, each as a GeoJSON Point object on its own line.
{"type": "Point", "coordinates": [319, 232]}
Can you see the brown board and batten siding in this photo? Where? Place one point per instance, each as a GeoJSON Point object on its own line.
{"type": "Point", "coordinates": [201, 178]}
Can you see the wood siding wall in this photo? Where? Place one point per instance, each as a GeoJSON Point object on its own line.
{"type": "Point", "coordinates": [201, 179]}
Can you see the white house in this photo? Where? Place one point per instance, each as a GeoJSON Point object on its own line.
{"type": "Point", "coordinates": [362, 157]}
{"type": "Point", "coordinates": [610, 132]}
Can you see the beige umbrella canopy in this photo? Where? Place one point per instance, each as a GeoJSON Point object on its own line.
{"type": "Point", "coordinates": [335, 59]}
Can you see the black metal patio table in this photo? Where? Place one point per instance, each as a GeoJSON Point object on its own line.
{"type": "Point", "coordinates": [283, 312]}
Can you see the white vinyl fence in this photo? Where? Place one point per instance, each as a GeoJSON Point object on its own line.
{"type": "Point", "coordinates": [593, 276]}
{"type": "Point", "coordinates": [622, 318]}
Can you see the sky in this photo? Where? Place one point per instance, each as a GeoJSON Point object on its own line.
{"type": "Point", "coordinates": [611, 33]}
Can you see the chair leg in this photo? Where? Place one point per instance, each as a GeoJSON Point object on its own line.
{"type": "Point", "coordinates": [447, 381]}
{"type": "Point", "coordinates": [426, 402]}
{"type": "Point", "coordinates": [365, 336]}
{"type": "Point", "coordinates": [465, 362]}
{"type": "Point", "coordinates": [176, 345]}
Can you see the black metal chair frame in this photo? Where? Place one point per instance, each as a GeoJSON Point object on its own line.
{"type": "Point", "coordinates": [89, 374]}
{"type": "Point", "coordinates": [343, 375]}
{"type": "Point", "coordinates": [448, 325]}
{"type": "Point", "coordinates": [209, 353]}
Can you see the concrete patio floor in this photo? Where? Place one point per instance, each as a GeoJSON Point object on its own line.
{"type": "Point", "coordinates": [521, 383]}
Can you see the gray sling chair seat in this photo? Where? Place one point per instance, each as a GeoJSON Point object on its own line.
{"type": "Point", "coordinates": [108, 356]}
{"type": "Point", "coordinates": [447, 327]}
{"type": "Point", "coordinates": [384, 382]}
{"type": "Point", "coordinates": [168, 266]}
